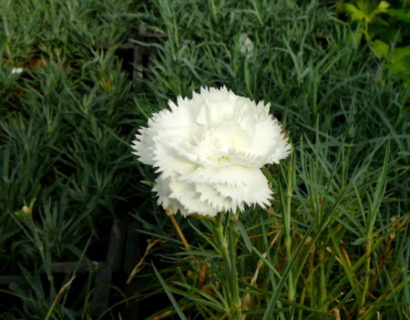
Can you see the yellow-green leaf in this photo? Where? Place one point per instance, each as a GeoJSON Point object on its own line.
{"type": "Point", "coordinates": [381, 8]}
{"type": "Point", "coordinates": [400, 54]}
{"type": "Point", "coordinates": [380, 48]}
{"type": "Point", "coordinates": [353, 12]}
{"type": "Point", "coordinates": [399, 64]}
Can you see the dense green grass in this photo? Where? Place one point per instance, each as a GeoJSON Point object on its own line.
{"type": "Point", "coordinates": [335, 242]}
{"type": "Point", "coordinates": [64, 146]}
{"type": "Point", "coordinates": [333, 245]}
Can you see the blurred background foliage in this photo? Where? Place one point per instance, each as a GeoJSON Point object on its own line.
{"type": "Point", "coordinates": [385, 25]}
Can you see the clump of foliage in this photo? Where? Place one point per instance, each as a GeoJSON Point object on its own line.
{"type": "Point", "coordinates": [65, 173]}
{"type": "Point", "coordinates": [386, 27]}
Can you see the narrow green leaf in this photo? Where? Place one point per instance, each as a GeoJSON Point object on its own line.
{"type": "Point", "coordinates": [245, 236]}
{"type": "Point", "coordinates": [169, 294]}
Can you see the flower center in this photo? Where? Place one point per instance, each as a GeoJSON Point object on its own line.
{"type": "Point", "coordinates": [224, 160]}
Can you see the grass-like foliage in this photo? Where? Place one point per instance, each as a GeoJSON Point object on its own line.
{"type": "Point", "coordinates": [65, 164]}
{"type": "Point", "coordinates": [335, 242]}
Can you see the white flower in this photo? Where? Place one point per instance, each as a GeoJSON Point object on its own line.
{"type": "Point", "coordinates": [16, 70]}
{"type": "Point", "coordinates": [209, 150]}
{"type": "Point", "coordinates": [246, 45]}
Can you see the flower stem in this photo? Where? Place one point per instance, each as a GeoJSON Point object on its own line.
{"type": "Point", "coordinates": [171, 215]}
{"type": "Point", "coordinates": [287, 224]}
{"type": "Point", "coordinates": [227, 241]}
{"type": "Point", "coordinates": [368, 256]}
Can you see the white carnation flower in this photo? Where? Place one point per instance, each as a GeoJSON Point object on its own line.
{"type": "Point", "coordinates": [209, 150]}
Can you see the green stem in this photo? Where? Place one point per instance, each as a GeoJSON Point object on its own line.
{"type": "Point", "coordinates": [287, 225]}
{"type": "Point", "coordinates": [323, 289]}
{"type": "Point", "coordinates": [214, 9]}
{"type": "Point", "coordinates": [368, 255]}
{"type": "Point", "coordinates": [227, 241]}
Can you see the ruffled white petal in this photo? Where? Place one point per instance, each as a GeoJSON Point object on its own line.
{"type": "Point", "coordinates": [163, 190]}
{"type": "Point", "coordinates": [186, 194]}
{"type": "Point", "coordinates": [256, 190]}
{"type": "Point", "coordinates": [236, 176]}
{"type": "Point", "coordinates": [209, 151]}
